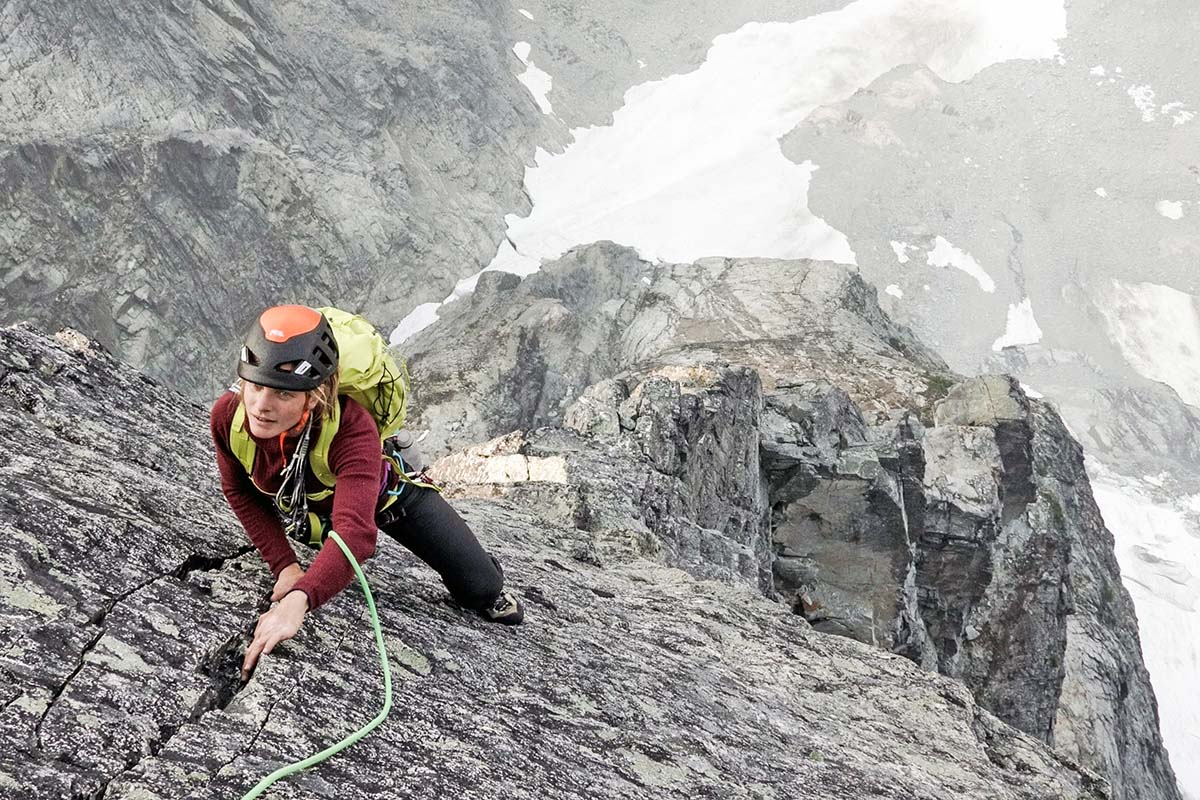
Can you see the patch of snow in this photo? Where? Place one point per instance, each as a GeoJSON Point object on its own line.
{"type": "Point", "coordinates": [417, 320]}
{"type": "Point", "coordinates": [1143, 98]}
{"type": "Point", "coordinates": [899, 248]}
{"type": "Point", "coordinates": [1169, 209]}
{"type": "Point", "coordinates": [691, 164]}
{"type": "Point", "coordinates": [1031, 392]}
{"type": "Point", "coordinates": [1178, 115]}
{"type": "Point", "coordinates": [506, 259]}
{"type": "Point", "coordinates": [1157, 329]}
{"type": "Point", "coordinates": [1101, 191]}
{"type": "Point", "coordinates": [524, 13]}
{"type": "Point", "coordinates": [1022, 328]}
{"type": "Point", "coordinates": [1098, 70]}
{"type": "Point", "coordinates": [1158, 550]}
{"type": "Point", "coordinates": [945, 254]}
{"type": "Point", "coordinates": [535, 80]}
{"type": "Point", "coordinates": [894, 291]}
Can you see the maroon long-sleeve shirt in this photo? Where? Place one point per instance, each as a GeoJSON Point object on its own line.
{"type": "Point", "coordinates": [356, 459]}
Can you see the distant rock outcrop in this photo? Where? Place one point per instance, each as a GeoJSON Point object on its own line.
{"type": "Point", "coordinates": [946, 519]}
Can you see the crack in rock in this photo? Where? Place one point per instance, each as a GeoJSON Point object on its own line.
{"type": "Point", "coordinates": [59, 691]}
{"type": "Point", "coordinates": [222, 691]}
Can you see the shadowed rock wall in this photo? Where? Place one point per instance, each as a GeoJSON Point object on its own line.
{"type": "Point", "coordinates": [169, 170]}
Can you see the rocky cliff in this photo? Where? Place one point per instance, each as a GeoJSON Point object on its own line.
{"type": "Point", "coordinates": [168, 170]}
{"type": "Point", "coordinates": [128, 592]}
{"type": "Point", "coordinates": [946, 519]}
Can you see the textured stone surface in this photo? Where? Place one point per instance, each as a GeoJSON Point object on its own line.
{"type": "Point", "coordinates": [667, 468]}
{"type": "Point", "coordinates": [168, 171]}
{"type": "Point", "coordinates": [940, 534]}
{"type": "Point", "coordinates": [600, 310]}
{"type": "Point", "coordinates": [630, 681]}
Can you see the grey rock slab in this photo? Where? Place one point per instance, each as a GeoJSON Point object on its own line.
{"type": "Point", "coordinates": [635, 680]}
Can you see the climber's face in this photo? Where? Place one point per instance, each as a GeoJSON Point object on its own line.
{"type": "Point", "coordinates": [271, 412]}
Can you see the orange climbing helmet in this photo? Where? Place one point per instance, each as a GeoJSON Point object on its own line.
{"type": "Point", "coordinates": [289, 347]}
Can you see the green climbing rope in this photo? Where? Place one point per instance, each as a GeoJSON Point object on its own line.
{"type": "Point", "coordinates": [317, 758]}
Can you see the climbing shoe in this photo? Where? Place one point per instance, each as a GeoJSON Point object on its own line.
{"type": "Point", "coordinates": [506, 609]}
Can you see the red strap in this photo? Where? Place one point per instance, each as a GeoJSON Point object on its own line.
{"type": "Point", "coordinates": [299, 426]}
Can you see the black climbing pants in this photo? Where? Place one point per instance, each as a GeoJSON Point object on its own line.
{"type": "Point", "coordinates": [426, 524]}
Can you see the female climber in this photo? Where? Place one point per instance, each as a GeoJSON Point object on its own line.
{"type": "Point", "coordinates": [267, 432]}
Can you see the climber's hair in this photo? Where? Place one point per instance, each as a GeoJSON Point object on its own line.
{"type": "Point", "coordinates": [326, 397]}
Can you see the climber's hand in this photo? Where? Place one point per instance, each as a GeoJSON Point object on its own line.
{"type": "Point", "coordinates": [287, 579]}
{"type": "Point", "coordinates": [281, 622]}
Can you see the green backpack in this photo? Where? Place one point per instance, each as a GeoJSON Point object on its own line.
{"type": "Point", "coordinates": [369, 375]}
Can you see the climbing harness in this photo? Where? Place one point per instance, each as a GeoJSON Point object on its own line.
{"type": "Point", "coordinates": [416, 476]}
{"type": "Point", "coordinates": [317, 758]}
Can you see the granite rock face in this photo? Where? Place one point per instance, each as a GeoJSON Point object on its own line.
{"type": "Point", "coordinates": [975, 548]}
{"type": "Point", "coordinates": [662, 465]}
{"type": "Point", "coordinates": [941, 518]}
{"type": "Point", "coordinates": [600, 310]}
{"type": "Point", "coordinates": [130, 594]}
{"type": "Point", "coordinates": [168, 171]}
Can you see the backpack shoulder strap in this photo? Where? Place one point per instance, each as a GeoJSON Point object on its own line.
{"type": "Point", "coordinates": [318, 454]}
{"type": "Point", "coordinates": [244, 449]}
{"type": "Point", "coordinates": [240, 442]}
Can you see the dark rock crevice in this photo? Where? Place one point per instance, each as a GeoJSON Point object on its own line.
{"type": "Point", "coordinates": [208, 563]}
{"type": "Point", "coordinates": [217, 666]}
{"type": "Point", "coordinates": [63, 686]}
